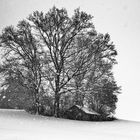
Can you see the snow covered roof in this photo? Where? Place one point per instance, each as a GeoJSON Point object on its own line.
{"type": "Point", "coordinates": [86, 110]}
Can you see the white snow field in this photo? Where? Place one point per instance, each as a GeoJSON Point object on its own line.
{"type": "Point", "coordinates": [19, 125]}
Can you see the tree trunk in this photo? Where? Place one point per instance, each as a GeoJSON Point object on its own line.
{"type": "Point", "coordinates": [57, 97]}
{"type": "Point", "coordinates": [56, 106]}
{"type": "Point", "coordinates": [37, 106]}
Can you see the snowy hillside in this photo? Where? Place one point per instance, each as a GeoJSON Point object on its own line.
{"type": "Point", "coordinates": [19, 125]}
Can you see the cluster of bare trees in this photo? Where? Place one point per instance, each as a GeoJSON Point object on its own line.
{"type": "Point", "coordinates": [63, 57]}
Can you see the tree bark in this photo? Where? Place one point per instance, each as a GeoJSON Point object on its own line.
{"type": "Point", "coordinates": [57, 97]}
{"type": "Point", "coordinates": [56, 106]}
{"type": "Point", "coordinates": [37, 102]}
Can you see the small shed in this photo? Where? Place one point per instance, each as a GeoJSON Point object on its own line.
{"type": "Point", "coordinates": [77, 112]}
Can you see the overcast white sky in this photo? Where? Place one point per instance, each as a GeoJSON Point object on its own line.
{"type": "Point", "coordinates": [120, 18]}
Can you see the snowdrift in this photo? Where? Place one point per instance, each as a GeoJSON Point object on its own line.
{"type": "Point", "coordinates": [19, 125]}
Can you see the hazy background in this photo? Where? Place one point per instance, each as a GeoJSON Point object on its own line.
{"type": "Point", "coordinates": [120, 18]}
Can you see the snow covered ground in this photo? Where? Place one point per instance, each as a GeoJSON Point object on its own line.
{"type": "Point", "coordinates": [19, 125]}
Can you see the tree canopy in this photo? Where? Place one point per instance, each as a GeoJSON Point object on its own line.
{"type": "Point", "coordinates": [60, 57]}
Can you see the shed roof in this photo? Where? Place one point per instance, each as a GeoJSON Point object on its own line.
{"type": "Point", "coordinates": [86, 110]}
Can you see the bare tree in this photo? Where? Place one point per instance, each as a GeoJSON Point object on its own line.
{"type": "Point", "coordinates": [22, 57]}
{"type": "Point", "coordinates": [58, 33]}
